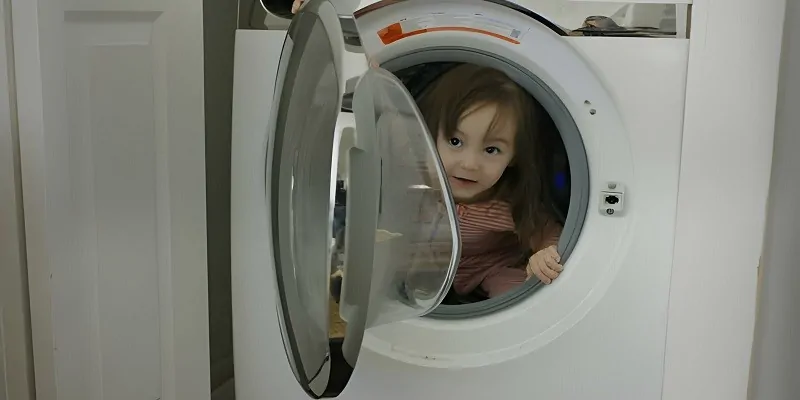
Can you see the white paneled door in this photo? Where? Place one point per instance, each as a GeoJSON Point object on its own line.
{"type": "Point", "coordinates": [110, 100]}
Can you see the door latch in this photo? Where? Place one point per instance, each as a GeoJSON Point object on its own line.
{"type": "Point", "coordinates": [612, 201]}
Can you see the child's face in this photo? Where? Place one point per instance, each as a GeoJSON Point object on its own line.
{"type": "Point", "coordinates": [476, 155]}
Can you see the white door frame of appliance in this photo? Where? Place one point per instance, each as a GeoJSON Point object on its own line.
{"type": "Point", "coordinates": [16, 358]}
{"type": "Point", "coordinates": [731, 93]}
{"type": "Point", "coordinates": [112, 145]}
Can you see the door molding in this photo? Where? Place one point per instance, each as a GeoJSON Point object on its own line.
{"type": "Point", "coordinates": [173, 40]}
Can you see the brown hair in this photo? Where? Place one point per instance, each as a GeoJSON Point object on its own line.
{"type": "Point", "coordinates": [522, 184]}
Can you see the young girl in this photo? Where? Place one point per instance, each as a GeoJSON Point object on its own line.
{"type": "Point", "coordinates": [487, 132]}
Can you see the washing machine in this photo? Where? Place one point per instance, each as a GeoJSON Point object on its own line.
{"type": "Point", "coordinates": [334, 170]}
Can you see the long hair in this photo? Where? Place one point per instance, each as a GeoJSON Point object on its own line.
{"type": "Point", "coordinates": [522, 185]}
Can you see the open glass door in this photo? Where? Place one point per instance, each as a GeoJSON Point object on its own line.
{"type": "Point", "coordinates": [397, 252]}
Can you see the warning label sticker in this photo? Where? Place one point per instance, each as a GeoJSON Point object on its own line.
{"type": "Point", "coordinates": [474, 23]}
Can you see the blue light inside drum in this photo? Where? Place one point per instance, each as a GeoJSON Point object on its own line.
{"type": "Point", "coordinates": [560, 180]}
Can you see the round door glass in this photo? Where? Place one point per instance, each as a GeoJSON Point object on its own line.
{"type": "Point", "coordinates": [300, 191]}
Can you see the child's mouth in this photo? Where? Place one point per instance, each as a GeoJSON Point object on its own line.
{"type": "Point", "coordinates": [464, 181]}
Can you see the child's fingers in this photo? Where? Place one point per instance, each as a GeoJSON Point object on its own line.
{"type": "Point", "coordinates": [543, 278]}
{"type": "Point", "coordinates": [548, 267]}
{"type": "Point", "coordinates": [538, 267]}
{"type": "Point", "coordinates": [553, 259]}
{"type": "Point", "coordinates": [535, 269]}
{"type": "Point", "coordinates": [553, 264]}
{"type": "Point", "coordinates": [553, 251]}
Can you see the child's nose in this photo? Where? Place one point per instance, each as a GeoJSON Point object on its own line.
{"type": "Point", "coordinates": [469, 162]}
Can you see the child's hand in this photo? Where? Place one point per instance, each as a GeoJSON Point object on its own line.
{"type": "Point", "coordinates": [545, 265]}
{"type": "Point", "coordinates": [296, 5]}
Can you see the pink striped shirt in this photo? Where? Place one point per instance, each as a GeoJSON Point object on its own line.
{"type": "Point", "coordinates": [492, 257]}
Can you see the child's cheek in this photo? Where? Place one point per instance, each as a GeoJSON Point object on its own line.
{"type": "Point", "coordinates": [444, 153]}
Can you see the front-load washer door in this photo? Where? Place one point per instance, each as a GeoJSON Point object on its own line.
{"type": "Point", "coordinates": [396, 254]}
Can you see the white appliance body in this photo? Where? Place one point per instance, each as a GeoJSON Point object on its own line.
{"type": "Point", "coordinates": [600, 330]}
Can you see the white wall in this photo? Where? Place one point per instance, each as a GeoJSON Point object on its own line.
{"type": "Point", "coordinates": [219, 25]}
{"type": "Point", "coordinates": [776, 349]}
{"type": "Point", "coordinates": [731, 96]}
{"type": "Point", "coordinates": [570, 14]}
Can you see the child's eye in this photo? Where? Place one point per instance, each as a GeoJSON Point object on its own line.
{"type": "Point", "coordinates": [455, 142]}
{"type": "Point", "coordinates": [492, 150]}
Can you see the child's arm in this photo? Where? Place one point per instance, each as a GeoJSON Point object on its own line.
{"type": "Point", "coordinates": [547, 236]}
{"type": "Point", "coordinates": [544, 264]}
